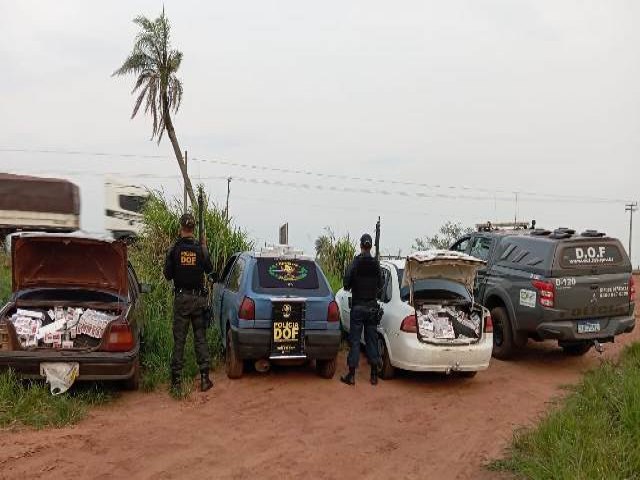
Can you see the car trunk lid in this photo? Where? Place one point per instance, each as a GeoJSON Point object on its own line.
{"type": "Point", "coordinates": [69, 261]}
{"type": "Point", "coordinates": [591, 278]}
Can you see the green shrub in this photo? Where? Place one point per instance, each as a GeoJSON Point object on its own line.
{"type": "Point", "coordinates": [161, 224]}
{"type": "Point", "coordinates": [595, 434]}
{"type": "Point", "coordinates": [334, 254]}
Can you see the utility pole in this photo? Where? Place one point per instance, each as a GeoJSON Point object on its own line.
{"type": "Point", "coordinates": [631, 207]}
{"type": "Point", "coordinates": [226, 208]}
{"type": "Point", "coordinates": [186, 198]}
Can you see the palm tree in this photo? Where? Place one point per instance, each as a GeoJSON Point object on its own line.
{"type": "Point", "coordinates": [155, 64]}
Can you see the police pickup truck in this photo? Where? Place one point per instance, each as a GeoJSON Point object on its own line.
{"type": "Point", "coordinates": [276, 306]}
{"type": "Point", "coordinates": [539, 284]}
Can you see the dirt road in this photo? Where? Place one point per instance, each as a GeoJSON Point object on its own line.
{"type": "Point", "coordinates": [290, 424]}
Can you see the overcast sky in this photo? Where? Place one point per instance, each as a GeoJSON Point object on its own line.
{"type": "Point", "coordinates": [477, 99]}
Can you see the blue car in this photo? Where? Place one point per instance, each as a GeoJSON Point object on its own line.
{"type": "Point", "coordinates": [276, 307]}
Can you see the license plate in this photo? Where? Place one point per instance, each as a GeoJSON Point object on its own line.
{"type": "Point", "coordinates": [287, 330]}
{"type": "Point", "coordinates": [588, 327]}
{"type": "Point", "coordinates": [286, 339]}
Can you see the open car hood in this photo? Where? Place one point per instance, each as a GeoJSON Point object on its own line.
{"type": "Point", "coordinates": [442, 264]}
{"type": "Point", "coordinates": [69, 261]}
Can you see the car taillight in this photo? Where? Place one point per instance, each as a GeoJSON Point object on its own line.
{"type": "Point", "coordinates": [409, 324]}
{"type": "Point", "coordinates": [632, 289]}
{"type": "Point", "coordinates": [546, 292]}
{"type": "Point", "coordinates": [332, 314]}
{"type": "Point", "coordinates": [119, 338]}
{"type": "Point", "coordinates": [247, 309]}
{"type": "Point", "coordinates": [488, 324]}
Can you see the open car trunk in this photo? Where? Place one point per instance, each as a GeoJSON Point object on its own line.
{"type": "Point", "coordinates": [445, 311]}
{"type": "Point", "coordinates": [51, 327]}
{"type": "Point", "coordinates": [444, 323]}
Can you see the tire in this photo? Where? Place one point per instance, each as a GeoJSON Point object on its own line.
{"type": "Point", "coordinates": [577, 349]}
{"type": "Point", "coordinates": [503, 342]}
{"type": "Point", "coordinates": [326, 368]}
{"type": "Point", "coordinates": [467, 374]}
{"type": "Point", "coordinates": [387, 371]}
{"type": "Point", "coordinates": [234, 366]}
{"type": "Point", "coordinates": [133, 383]}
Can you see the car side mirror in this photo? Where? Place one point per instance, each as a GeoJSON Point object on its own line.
{"type": "Point", "coordinates": [145, 288]}
{"type": "Point", "coordinates": [213, 277]}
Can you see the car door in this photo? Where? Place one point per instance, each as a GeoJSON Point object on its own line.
{"type": "Point", "coordinates": [480, 247]}
{"type": "Point", "coordinates": [218, 292]}
{"type": "Point", "coordinates": [232, 295]}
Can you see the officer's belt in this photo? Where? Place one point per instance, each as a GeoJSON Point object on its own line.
{"type": "Point", "coordinates": [188, 291]}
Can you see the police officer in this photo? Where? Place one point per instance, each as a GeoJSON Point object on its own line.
{"type": "Point", "coordinates": [185, 264]}
{"type": "Point", "coordinates": [364, 280]}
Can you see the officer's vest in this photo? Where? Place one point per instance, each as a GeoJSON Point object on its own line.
{"type": "Point", "coordinates": [187, 262]}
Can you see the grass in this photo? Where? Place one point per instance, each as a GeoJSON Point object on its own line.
{"type": "Point", "coordinates": [24, 403]}
{"type": "Point", "coordinates": [594, 434]}
{"type": "Point", "coordinates": [5, 278]}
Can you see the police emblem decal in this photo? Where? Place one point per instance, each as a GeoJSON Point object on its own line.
{"type": "Point", "coordinates": [286, 310]}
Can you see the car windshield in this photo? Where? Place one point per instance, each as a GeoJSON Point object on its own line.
{"type": "Point", "coordinates": [435, 288]}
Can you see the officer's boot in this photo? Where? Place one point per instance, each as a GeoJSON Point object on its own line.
{"type": "Point", "coordinates": [349, 378]}
{"type": "Point", "coordinates": [374, 374]}
{"type": "Point", "coordinates": [205, 382]}
{"type": "Point", "coordinates": [176, 382]}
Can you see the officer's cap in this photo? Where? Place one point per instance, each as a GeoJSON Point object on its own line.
{"type": "Point", "coordinates": [187, 221]}
{"type": "Point", "coordinates": [366, 241]}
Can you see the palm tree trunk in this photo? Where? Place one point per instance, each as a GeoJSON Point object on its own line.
{"type": "Point", "coordinates": [176, 149]}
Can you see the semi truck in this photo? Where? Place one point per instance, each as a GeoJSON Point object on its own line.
{"type": "Point", "coordinates": [37, 204]}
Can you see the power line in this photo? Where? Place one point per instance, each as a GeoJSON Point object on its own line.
{"type": "Point", "coordinates": [281, 170]}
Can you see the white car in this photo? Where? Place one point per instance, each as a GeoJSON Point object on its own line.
{"type": "Point", "coordinates": [431, 322]}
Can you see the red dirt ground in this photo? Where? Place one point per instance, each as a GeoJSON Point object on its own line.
{"type": "Point", "coordinates": [290, 424]}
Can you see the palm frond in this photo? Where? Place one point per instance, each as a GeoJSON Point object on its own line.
{"type": "Point", "coordinates": [154, 63]}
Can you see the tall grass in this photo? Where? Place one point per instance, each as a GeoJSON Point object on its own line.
{"type": "Point", "coordinates": [161, 225]}
{"type": "Point", "coordinates": [595, 434]}
{"type": "Point", "coordinates": [334, 254]}
{"type": "Point", "coordinates": [5, 278]}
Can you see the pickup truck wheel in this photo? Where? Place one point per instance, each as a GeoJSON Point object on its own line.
{"type": "Point", "coordinates": [387, 371]}
{"type": "Point", "coordinates": [326, 368]}
{"type": "Point", "coordinates": [503, 342]}
{"type": "Point", "coordinates": [233, 365]}
{"type": "Point", "coordinates": [577, 349]}
{"type": "Point", "coordinates": [133, 383]}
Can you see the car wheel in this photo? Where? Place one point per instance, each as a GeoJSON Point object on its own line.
{"type": "Point", "coordinates": [468, 374]}
{"type": "Point", "coordinates": [503, 342]}
{"type": "Point", "coordinates": [387, 371]}
{"type": "Point", "coordinates": [133, 383]}
{"type": "Point", "coordinates": [233, 365]}
{"type": "Point", "coordinates": [577, 349]}
{"type": "Point", "coordinates": [326, 368]}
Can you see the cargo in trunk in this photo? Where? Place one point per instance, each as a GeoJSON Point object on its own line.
{"type": "Point", "coordinates": [58, 327]}
{"type": "Point", "coordinates": [441, 323]}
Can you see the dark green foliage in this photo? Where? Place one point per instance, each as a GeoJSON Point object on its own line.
{"type": "Point", "coordinates": [595, 434]}
{"type": "Point", "coordinates": [334, 254]}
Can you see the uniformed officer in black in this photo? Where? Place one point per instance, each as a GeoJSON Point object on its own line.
{"type": "Point", "coordinates": [364, 280]}
{"type": "Point", "coordinates": [186, 263]}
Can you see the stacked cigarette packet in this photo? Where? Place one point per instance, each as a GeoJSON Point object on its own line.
{"type": "Point", "coordinates": [447, 323]}
{"type": "Point", "coordinates": [59, 327]}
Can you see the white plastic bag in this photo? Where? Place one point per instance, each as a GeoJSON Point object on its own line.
{"type": "Point", "coordinates": [60, 376]}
